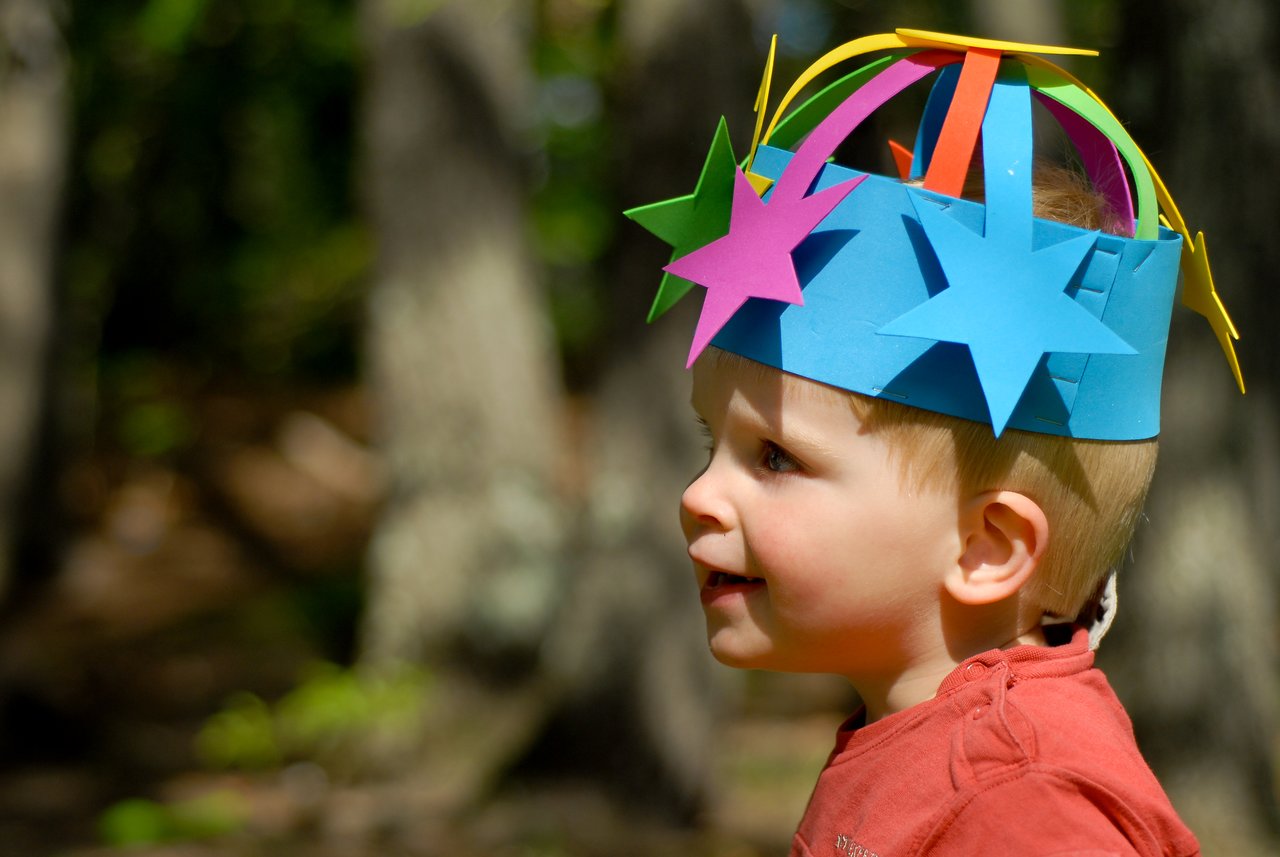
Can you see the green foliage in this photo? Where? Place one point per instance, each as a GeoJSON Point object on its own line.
{"type": "Point", "coordinates": [408, 13]}
{"type": "Point", "coordinates": [151, 429]}
{"type": "Point", "coordinates": [334, 717]}
{"type": "Point", "coordinates": [337, 717]}
{"type": "Point", "coordinates": [167, 25]}
{"type": "Point", "coordinates": [146, 418]}
{"type": "Point", "coordinates": [334, 710]}
{"type": "Point", "coordinates": [212, 212]}
{"type": "Point", "coordinates": [139, 822]}
{"type": "Point", "coordinates": [574, 215]}
{"type": "Point", "coordinates": [241, 735]}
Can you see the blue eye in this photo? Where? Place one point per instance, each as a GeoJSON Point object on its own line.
{"type": "Point", "coordinates": [778, 459]}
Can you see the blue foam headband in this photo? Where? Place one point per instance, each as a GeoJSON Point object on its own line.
{"type": "Point", "coordinates": [849, 296]}
{"type": "Point", "coordinates": [979, 311]}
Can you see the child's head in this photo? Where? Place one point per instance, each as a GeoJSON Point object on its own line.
{"type": "Point", "coordinates": [1091, 491]}
{"type": "Point", "coordinates": [1015, 345]}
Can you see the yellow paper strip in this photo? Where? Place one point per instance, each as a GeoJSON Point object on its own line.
{"type": "Point", "coordinates": [832, 58]}
{"type": "Point", "coordinates": [762, 102]}
{"type": "Point", "coordinates": [905, 38]}
{"type": "Point", "coordinates": [927, 39]}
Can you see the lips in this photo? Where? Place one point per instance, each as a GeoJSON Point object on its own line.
{"type": "Point", "coordinates": [718, 583]}
{"type": "Point", "coordinates": [722, 590]}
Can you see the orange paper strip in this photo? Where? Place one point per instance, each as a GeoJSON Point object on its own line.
{"type": "Point", "coordinates": [902, 159]}
{"type": "Point", "coordinates": [959, 135]}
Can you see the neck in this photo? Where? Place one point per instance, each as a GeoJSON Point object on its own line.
{"type": "Point", "coordinates": [911, 687]}
{"type": "Point", "coordinates": [920, 679]}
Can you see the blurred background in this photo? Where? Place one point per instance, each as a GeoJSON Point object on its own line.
{"type": "Point", "coordinates": [339, 471]}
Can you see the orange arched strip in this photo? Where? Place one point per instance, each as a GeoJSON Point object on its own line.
{"type": "Point", "coordinates": [959, 135]}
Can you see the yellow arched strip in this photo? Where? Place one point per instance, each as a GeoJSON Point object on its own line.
{"type": "Point", "coordinates": [926, 39]}
{"type": "Point", "coordinates": [904, 38]}
{"type": "Point", "coordinates": [832, 58]}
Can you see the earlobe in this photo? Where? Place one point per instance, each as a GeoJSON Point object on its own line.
{"type": "Point", "coordinates": [1006, 534]}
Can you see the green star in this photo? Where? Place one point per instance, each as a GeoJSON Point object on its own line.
{"type": "Point", "coordinates": [693, 221]}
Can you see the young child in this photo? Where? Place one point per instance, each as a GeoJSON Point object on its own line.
{"type": "Point", "coordinates": [932, 425]}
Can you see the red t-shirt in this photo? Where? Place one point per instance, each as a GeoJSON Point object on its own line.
{"type": "Point", "coordinates": [1022, 752]}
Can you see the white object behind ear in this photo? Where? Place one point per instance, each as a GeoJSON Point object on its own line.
{"type": "Point", "coordinates": [1098, 612]}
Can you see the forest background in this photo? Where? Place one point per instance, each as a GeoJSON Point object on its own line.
{"type": "Point", "coordinates": [338, 469]}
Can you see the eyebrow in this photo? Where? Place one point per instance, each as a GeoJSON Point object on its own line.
{"type": "Point", "coordinates": [788, 434]}
{"type": "Point", "coordinates": [801, 441]}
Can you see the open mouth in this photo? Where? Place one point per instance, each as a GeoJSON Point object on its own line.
{"type": "Point", "coordinates": [722, 578]}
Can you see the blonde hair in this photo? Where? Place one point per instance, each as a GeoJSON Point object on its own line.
{"type": "Point", "coordinates": [1091, 491]}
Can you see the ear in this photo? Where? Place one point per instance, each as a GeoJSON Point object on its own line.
{"type": "Point", "coordinates": [1006, 534]}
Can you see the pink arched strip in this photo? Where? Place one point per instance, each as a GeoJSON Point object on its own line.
{"type": "Point", "coordinates": [1100, 157]}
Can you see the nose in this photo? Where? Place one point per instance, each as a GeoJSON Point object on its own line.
{"type": "Point", "coordinates": [704, 505]}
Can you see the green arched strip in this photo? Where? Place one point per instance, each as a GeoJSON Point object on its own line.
{"type": "Point", "coordinates": [806, 117]}
{"type": "Point", "coordinates": [1069, 95]}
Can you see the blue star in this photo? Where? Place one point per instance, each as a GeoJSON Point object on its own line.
{"type": "Point", "coordinates": [1004, 299]}
{"type": "Point", "coordinates": [1007, 303]}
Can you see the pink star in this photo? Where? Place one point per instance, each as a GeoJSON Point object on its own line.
{"type": "Point", "coordinates": [754, 259]}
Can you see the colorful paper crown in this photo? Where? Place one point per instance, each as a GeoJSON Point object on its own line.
{"type": "Point", "coordinates": [907, 292]}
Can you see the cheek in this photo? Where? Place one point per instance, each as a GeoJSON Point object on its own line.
{"type": "Point", "coordinates": [827, 543]}
{"type": "Point", "coordinates": [777, 534]}
{"type": "Point", "coordinates": [803, 548]}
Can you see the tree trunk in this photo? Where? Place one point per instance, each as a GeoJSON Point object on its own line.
{"type": "Point", "coordinates": [33, 140]}
{"type": "Point", "coordinates": [460, 357]}
{"type": "Point", "coordinates": [592, 647]}
{"type": "Point", "coordinates": [467, 560]}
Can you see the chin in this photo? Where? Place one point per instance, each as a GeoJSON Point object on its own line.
{"type": "Point", "coordinates": [762, 655]}
{"type": "Point", "coordinates": [732, 653]}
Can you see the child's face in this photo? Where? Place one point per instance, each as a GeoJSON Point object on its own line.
{"type": "Point", "coordinates": [811, 553]}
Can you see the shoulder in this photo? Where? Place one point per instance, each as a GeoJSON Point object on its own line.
{"type": "Point", "coordinates": [1048, 756]}
{"type": "Point", "coordinates": [1047, 706]}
